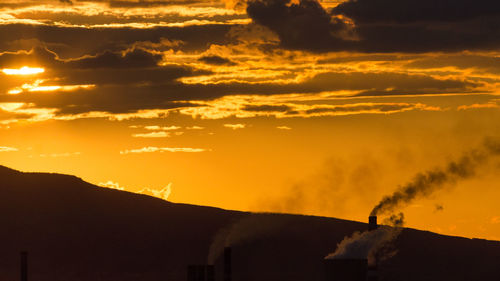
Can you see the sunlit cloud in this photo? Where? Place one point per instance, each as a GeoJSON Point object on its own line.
{"type": "Point", "coordinates": [111, 185]}
{"type": "Point", "coordinates": [235, 126]}
{"type": "Point", "coordinates": [283, 128]}
{"type": "Point", "coordinates": [195, 128]}
{"type": "Point", "coordinates": [288, 107]}
{"type": "Point", "coordinates": [37, 87]}
{"type": "Point", "coordinates": [152, 135]}
{"type": "Point", "coordinates": [490, 105]}
{"type": "Point", "coordinates": [168, 128]}
{"type": "Point", "coordinates": [25, 70]}
{"type": "Point", "coordinates": [29, 112]}
{"type": "Point", "coordinates": [93, 15]}
{"type": "Point", "coordinates": [150, 149]}
{"type": "Point", "coordinates": [8, 149]}
{"type": "Point", "coordinates": [139, 114]}
{"type": "Point", "coordinates": [162, 193]}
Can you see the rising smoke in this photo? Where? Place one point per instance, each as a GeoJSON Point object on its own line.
{"type": "Point", "coordinates": [426, 183]}
{"type": "Point", "coordinates": [246, 229]}
{"type": "Point", "coordinates": [376, 245]}
{"type": "Point", "coordinates": [372, 245]}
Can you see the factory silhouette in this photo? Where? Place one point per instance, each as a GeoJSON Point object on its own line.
{"type": "Point", "coordinates": [334, 269]}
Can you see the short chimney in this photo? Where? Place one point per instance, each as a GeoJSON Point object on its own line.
{"type": "Point", "coordinates": [372, 223]}
{"type": "Point", "coordinates": [227, 264]}
{"type": "Point", "coordinates": [210, 273]}
{"type": "Point", "coordinates": [24, 266]}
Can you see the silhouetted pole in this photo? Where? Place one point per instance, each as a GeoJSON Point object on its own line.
{"type": "Point", "coordinates": [372, 223]}
{"type": "Point", "coordinates": [227, 264]}
{"type": "Point", "coordinates": [24, 266]}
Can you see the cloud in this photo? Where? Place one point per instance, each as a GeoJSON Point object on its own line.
{"type": "Point", "coordinates": [216, 60]}
{"type": "Point", "coordinates": [162, 193]}
{"type": "Point", "coordinates": [195, 128]}
{"type": "Point", "coordinates": [236, 106]}
{"type": "Point", "coordinates": [7, 149]}
{"type": "Point", "coordinates": [71, 42]}
{"type": "Point", "coordinates": [489, 105]}
{"type": "Point", "coordinates": [283, 128]}
{"type": "Point", "coordinates": [112, 185]}
{"type": "Point", "coordinates": [381, 25]}
{"type": "Point", "coordinates": [235, 126]}
{"type": "Point", "coordinates": [152, 135]}
{"type": "Point", "coordinates": [396, 11]}
{"type": "Point", "coordinates": [150, 149]}
{"type": "Point", "coordinates": [169, 128]}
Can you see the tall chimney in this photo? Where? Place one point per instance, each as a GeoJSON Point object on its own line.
{"type": "Point", "coordinates": [200, 273]}
{"type": "Point", "coordinates": [372, 223]}
{"type": "Point", "coordinates": [210, 273]}
{"type": "Point", "coordinates": [227, 264]}
{"type": "Point", "coordinates": [24, 266]}
{"type": "Point", "coordinates": [192, 272]}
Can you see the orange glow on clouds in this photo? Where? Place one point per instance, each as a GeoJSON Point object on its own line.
{"type": "Point", "coordinates": [25, 70]}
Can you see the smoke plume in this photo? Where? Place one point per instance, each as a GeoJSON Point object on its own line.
{"type": "Point", "coordinates": [424, 184]}
{"type": "Point", "coordinates": [377, 245]}
{"type": "Point", "coordinates": [372, 245]}
{"type": "Point", "coordinates": [247, 228]}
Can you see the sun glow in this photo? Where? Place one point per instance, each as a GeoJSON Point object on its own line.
{"type": "Point", "coordinates": [25, 70]}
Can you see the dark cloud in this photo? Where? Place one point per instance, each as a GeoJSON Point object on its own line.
{"type": "Point", "coordinates": [407, 11]}
{"type": "Point", "coordinates": [360, 108]}
{"type": "Point", "coordinates": [70, 42]}
{"type": "Point", "coordinates": [305, 25]}
{"type": "Point", "coordinates": [135, 58]}
{"type": "Point", "coordinates": [381, 25]}
{"type": "Point", "coordinates": [216, 60]}
{"type": "Point", "coordinates": [146, 3]}
{"type": "Point", "coordinates": [267, 108]}
{"type": "Point", "coordinates": [6, 115]}
{"type": "Point", "coordinates": [137, 3]}
{"type": "Point", "coordinates": [479, 63]}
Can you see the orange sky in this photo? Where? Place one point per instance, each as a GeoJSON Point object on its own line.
{"type": "Point", "coordinates": [236, 105]}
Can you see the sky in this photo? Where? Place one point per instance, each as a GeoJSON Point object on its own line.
{"type": "Point", "coordinates": [298, 106]}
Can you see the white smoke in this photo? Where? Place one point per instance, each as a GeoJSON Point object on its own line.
{"type": "Point", "coordinates": [366, 245]}
{"type": "Point", "coordinates": [373, 245]}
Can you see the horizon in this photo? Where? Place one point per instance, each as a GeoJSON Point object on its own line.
{"type": "Point", "coordinates": [291, 106]}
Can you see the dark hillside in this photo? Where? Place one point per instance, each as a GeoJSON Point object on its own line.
{"type": "Point", "coordinates": [76, 231]}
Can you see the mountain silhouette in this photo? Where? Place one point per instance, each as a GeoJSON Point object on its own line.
{"type": "Point", "coordinates": [75, 231]}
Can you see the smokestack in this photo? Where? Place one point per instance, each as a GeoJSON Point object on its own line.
{"type": "Point", "coordinates": [192, 273]}
{"type": "Point", "coordinates": [210, 273]}
{"type": "Point", "coordinates": [200, 273]}
{"type": "Point", "coordinates": [372, 274]}
{"type": "Point", "coordinates": [372, 223]}
{"type": "Point", "coordinates": [345, 269]}
{"type": "Point", "coordinates": [227, 264]}
{"type": "Point", "coordinates": [24, 266]}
